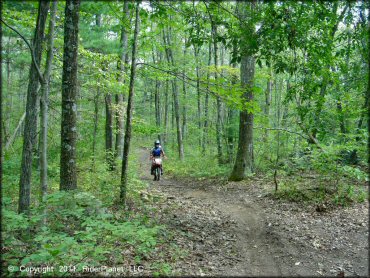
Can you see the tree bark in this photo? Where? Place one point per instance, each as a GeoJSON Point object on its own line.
{"type": "Point", "coordinates": [206, 100]}
{"type": "Point", "coordinates": [96, 114]}
{"type": "Point", "coordinates": [30, 128]}
{"type": "Point", "coordinates": [68, 171]}
{"type": "Point", "coordinates": [120, 97]}
{"type": "Point", "coordinates": [199, 112]}
{"type": "Point", "coordinates": [170, 59]}
{"type": "Point", "coordinates": [185, 101]}
{"type": "Point", "coordinates": [157, 103]}
{"type": "Point", "coordinates": [244, 158]}
{"type": "Point", "coordinates": [109, 153]}
{"type": "Point", "coordinates": [268, 95]}
{"type": "Point", "coordinates": [218, 99]}
{"type": "Point", "coordinates": [44, 103]}
{"type": "Point", "coordinates": [166, 112]}
{"type": "Point", "coordinates": [126, 146]}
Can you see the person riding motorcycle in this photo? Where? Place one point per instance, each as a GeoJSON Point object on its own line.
{"type": "Point", "coordinates": [157, 152]}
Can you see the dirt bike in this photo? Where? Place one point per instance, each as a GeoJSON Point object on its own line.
{"type": "Point", "coordinates": [157, 162]}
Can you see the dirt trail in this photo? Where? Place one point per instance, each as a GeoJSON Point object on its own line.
{"type": "Point", "coordinates": [236, 223]}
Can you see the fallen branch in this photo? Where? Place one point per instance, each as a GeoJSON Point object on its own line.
{"type": "Point", "coordinates": [313, 139]}
{"type": "Point", "coordinates": [15, 133]}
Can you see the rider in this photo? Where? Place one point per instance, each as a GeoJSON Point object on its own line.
{"type": "Point", "coordinates": [157, 152]}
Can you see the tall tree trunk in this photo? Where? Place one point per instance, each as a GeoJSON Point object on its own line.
{"type": "Point", "coordinates": [96, 114]}
{"type": "Point", "coordinates": [9, 95]}
{"type": "Point", "coordinates": [126, 146]}
{"type": "Point", "coordinates": [232, 114]}
{"type": "Point", "coordinates": [68, 171]}
{"type": "Point", "coordinates": [30, 128]}
{"type": "Point", "coordinates": [368, 91]}
{"type": "Point", "coordinates": [44, 103]}
{"type": "Point", "coordinates": [109, 132]}
{"type": "Point", "coordinates": [199, 112]}
{"type": "Point", "coordinates": [120, 97]}
{"type": "Point", "coordinates": [206, 100]}
{"type": "Point", "coordinates": [167, 40]}
{"type": "Point", "coordinates": [244, 157]}
{"type": "Point", "coordinates": [166, 112]}
{"type": "Point", "coordinates": [268, 95]}
{"type": "Point", "coordinates": [218, 99]}
{"type": "Point", "coordinates": [157, 103]}
{"type": "Point", "coordinates": [184, 94]}
{"type": "Point", "coordinates": [1, 110]}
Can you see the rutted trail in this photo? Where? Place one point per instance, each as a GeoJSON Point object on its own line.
{"type": "Point", "coordinates": [230, 231]}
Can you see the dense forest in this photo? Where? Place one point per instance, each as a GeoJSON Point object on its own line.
{"type": "Point", "coordinates": [262, 110]}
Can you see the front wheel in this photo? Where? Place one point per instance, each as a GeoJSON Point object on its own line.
{"type": "Point", "coordinates": [157, 174]}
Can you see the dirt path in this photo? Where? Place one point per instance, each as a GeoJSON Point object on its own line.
{"type": "Point", "coordinates": [232, 230]}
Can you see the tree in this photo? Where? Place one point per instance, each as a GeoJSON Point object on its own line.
{"type": "Point", "coordinates": [30, 128]}
{"type": "Point", "coordinates": [44, 104]}
{"type": "Point", "coordinates": [244, 157]}
{"type": "Point", "coordinates": [127, 140]}
{"type": "Point", "coordinates": [176, 108]}
{"type": "Point", "coordinates": [68, 171]}
{"type": "Point", "coordinates": [123, 68]}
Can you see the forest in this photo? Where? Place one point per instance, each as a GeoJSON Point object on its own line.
{"type": "Point", "coordinates": [257, 112]}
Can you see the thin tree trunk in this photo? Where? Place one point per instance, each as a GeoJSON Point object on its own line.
{"type": "Point", "coordinates": [278, 95]}
{"type": "Point", "coordinates": [120, 97]}
{"type": "Point", "coordinates": [166, 112]}
{"type": "Point", "coordinates": [175, 97]}
{"type": "Point", "coordinates": [9, 94]}
{"type": "Point", "coordinates": [45, 86]}
{"type": "Point", "coordinates": [232, 114]}
{"type": "Point", "coordinates": [30, 128]}
{"type": "Point", "coordinates": [268, 95]}
{"type": "Point", "coordinates": [68, 170]}
{"type": "Point", "coordinates": [96, 114]}
{"type": "Point", "coordinates": [206, 100]}
{"type": "Point", "coordinates": [109, 132]}
{"type": "Point", "coordinates": [126, 146]}
{"type": "Point", "coordinates": [185, 101]}
{"type": "Point", "coordinates": [157, 103]}
{"type": "Point", "coordinates": [230, 132]}
{"type": "Point", "coordinates": [218, 99]}
{"type": "Point", "coordinates": [196, 54]}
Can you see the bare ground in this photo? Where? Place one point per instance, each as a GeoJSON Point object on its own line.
{"type": "Point", "coordinates": [238, 229]}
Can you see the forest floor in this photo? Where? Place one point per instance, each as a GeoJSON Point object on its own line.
{"type": "Point", "coordinates": [232, 229]}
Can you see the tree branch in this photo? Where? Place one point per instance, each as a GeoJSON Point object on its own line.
{"type": "Point", "coordinates": [41, 77]}
{"type": "Point", "coordinates": [283, 129]}
{"type": "Point", "coordinates": [180, 76]}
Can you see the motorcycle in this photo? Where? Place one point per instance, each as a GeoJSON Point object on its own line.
{"type": "Point", "coordinates": [157, 162]}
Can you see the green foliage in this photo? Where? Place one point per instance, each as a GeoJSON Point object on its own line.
{"type": "Point", "coordinates": [78, 231]}
{"type": "Point", "coordinates": [196, 165]}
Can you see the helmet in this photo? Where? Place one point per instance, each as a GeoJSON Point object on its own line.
{"type": "Point", "coordinates": [157, 143]}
